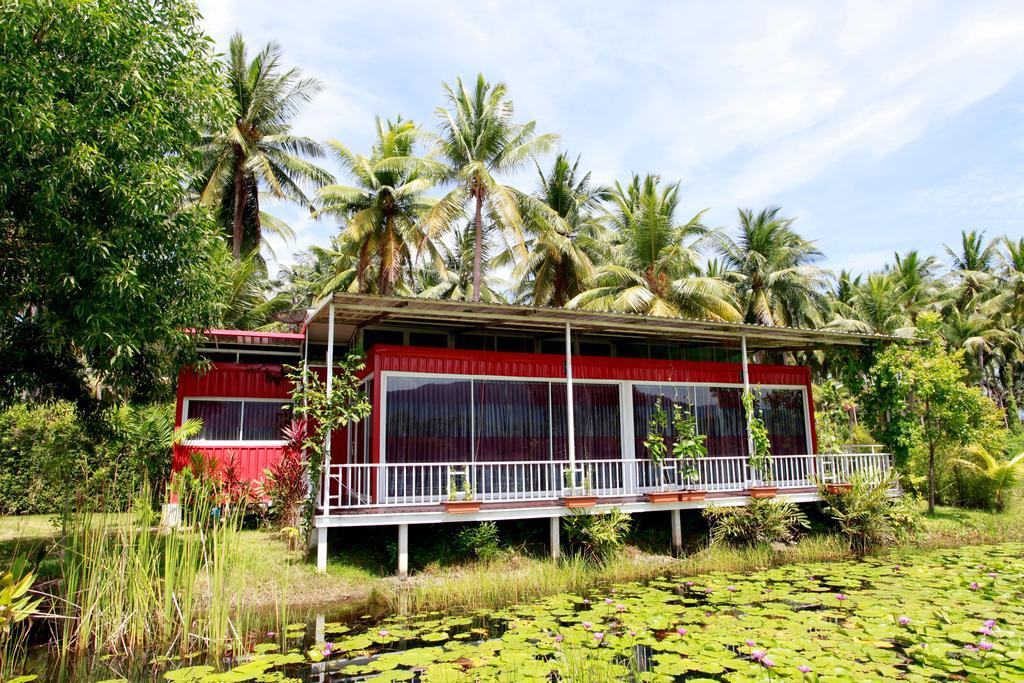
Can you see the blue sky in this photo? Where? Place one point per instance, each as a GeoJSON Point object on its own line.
{"type": "Point", "coordinates": [881, 126]}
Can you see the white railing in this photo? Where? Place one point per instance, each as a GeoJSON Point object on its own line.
{"type": "Point", "coordinates": [431, 484]}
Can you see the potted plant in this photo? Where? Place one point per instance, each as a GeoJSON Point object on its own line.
{"type": "Point", "coordinates": [577, 489]}
{"type": "Point", "coordinates": [760, 459]}
{"type": "Point", "coordinates": [460, 491]}
{"type": "Point", "coordinates": [688, 449]}
{"type": "Point", "coordinates": [657, 449]}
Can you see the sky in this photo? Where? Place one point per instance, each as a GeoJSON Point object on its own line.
{"type": "Point", "coordinates": [879, 126]}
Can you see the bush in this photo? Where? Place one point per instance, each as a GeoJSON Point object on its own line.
{"type": "Point", "coordinates": [762, 521]}
{"type": "Point", "coordinates": [480, 540]}
{"type": "Point", "coordinates": [598, 536]}
{"type": "Point", "coordinates": [869, 516]}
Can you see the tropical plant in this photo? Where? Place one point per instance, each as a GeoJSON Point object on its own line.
{"type": "Point", "coordinates": [478, 140]}
{"type": "Point", "coordinates": [325, 411]}
{"type": "Point", "coordinates": [655, 441]}
{"type": "Point", "coordinates": [480, 540]}
{"type": "Point", "coordinates": [16, 605]}
{"type": "Point", "coordinates": [760, 459]}
{"type": "Point", "coordinates": [1000, 477]}
{"type": "Point", "coordinates": [451, 276]}
{"type": "Point", "coordinates": [382, 213]}
{"type": "Point", "coordinates": [869, 515]}
{"type": "Point", "coordinates": [916, 396]}
{"type": "Point", "coordinates": [655, 258]}
{"type": "Point", "coordinates": [251, 299]}
{"type": "Point", "coordinates": [688, 446]}
{"type": "Point", "coordinates": [563, 236]}
{"type": "Point", "coordinates": [772, 269]}
{"type": "Point", "coordinates": [760, 522]}
{"type": "Point", "coordinates": [598, 536]}
{"type": "Point", "coordinates": [285, 482]}
{"type": "Point", "coordinates": [104, 264]}
{"type": "Point", "coordinates": [254, 147]}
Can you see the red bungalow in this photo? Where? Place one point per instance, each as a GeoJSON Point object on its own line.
{"type": "Point", "coordinates": [494, 411]}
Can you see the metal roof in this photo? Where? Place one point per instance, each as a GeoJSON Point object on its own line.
{"type": "Point", "coordinates": [354, 311]}
{"type": "Point", "coordinates": [252, 338]}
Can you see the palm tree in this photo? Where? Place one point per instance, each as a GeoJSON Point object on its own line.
{"type": "Point", "coordinates": [656, 259]}
{"type": "Point", "coordinates": [771, 267]}
{"type": "Point", "coordinates": [915, 275]}
{"type": "Point", "coordinates": [257, 150]}
{"type": "Point", "coordinates": [383, 211]}
{"type": "Point", "coordinates": [451, 276]}
{"type": "Point", "coordinates": [1002, 476]}
{"type": "Point", "coordinates": [479, 140]}
{"type": "Point", "coordinates": [563, 236]}
{"type": "Point", "coordinates": [252, 300]}
{"type": "Point", "coordinates": [877, 305]}
{"type": "Point", "coordinates": [971, 266]}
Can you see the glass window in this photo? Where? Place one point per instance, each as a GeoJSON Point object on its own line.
{"type": "Point", "coordinates": [595, 419]}
{"type": "Point", "coordinates": [512, 421]}
{"type": "Point", "coordinates": [264, 420]}
{"type": "Point", "coordinates": [783, 413]}
{"type": "Point", "coordinates": [720, 416]}
{"type": "Point", "coordinates": [433, 340]}
{"type": "Point", "coordinates": [221, 419]}
{"type": "Point", "coordinates": [372, 338]}
{"type": "Point", "coordinates": [428, 420]}
{"type": "Point", "coordinates": [645, 397]}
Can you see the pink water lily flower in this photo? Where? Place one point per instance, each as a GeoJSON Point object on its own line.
{"type": "Point", "coordinates": [632, 634]}
{"type": "Point", "coordinates": [986, 646]}
{"type": "Point", "coordinates": [992, 575]}
{"type": "Point", "coordinates": [903, 621]}
{"type": "Point", "coordinates": [383, 633]}
{"type": "Point", "coordinates": [767, 662]}
{"type": "Point", "coordinates": [559, 638]}
{"type": "Point", "coordinates": [751, 643]}
{"type": "Point", "coordinates": [840, 597]}
{"type": "Point", "coordinates": [681, 631]}
{"type": "Point", "coordinates": [689, 584]}
{"type": "Point", "coordinates": [975, 586]}
{"type": "Point", "coordinates": [990, 623]}
{"type": "Point", "coordinates": [985, 631]}
{"type": "Point", "coordinates": [608, 601]}
{"type": "Point", "coordinates": [758, 655]}
{"type": "Point", "coordinates": [586, 601]}
{"type": "Point", "coordinates": [599, 636]}
{"type": "Point", "coordinates": [328, 649]}
{"type": "Point", "coordinates": [731, 588]}
{"type": "Point", "coordinates": [620, 607]}
{"type": "Point", "coordinates": [586, 625]}
{"type": "Point", "coordinates": [804, 669]}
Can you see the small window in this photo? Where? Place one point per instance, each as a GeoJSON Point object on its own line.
{"type": "Point", "coordinates": [236, 420]}
{"type": "Point", "coordinates": [431, 340]}
{"type": "Point", "coordinates": [372, 338]}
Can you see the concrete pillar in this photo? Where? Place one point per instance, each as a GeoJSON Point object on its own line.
{"type": "Point", "coordinates": [403, 550]}
{"type": "Point", "coordinates": [677, 532]}
{"type": "Point", "coordinates": [321, 549]}
{"type": "Point", "coordinates": [555, 532]}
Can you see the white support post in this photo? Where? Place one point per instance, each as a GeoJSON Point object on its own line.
{"type": "Point", "coordinates": [325, 486]}
{"type": "Point", "coordinates": [626, 438]}
{"type": "Point", "coordinates": [555, 539]}
{"type": "Point", "coordinates": [321, 549]}
{"type": "Point", "coordinates": [403, 551]}
{"type": "Point", "coordinates": [569, 409]}
{"type": "Point", "coordinates": [677, 532]}
{"type": "Point", "coordinates": [746, 389]}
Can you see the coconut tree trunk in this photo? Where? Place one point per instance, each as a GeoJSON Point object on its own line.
{"type": "Point", "coordinates": [238, 218]}
{"type": "Point", "coordinates": [478, 241]}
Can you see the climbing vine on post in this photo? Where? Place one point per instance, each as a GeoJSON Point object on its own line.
{"type": "Point", "coordinates": [760, 459]}
{"type": "Point", "coordinates": [326, 412]}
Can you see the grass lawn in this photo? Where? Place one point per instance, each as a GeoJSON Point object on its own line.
{"type": "Point", "coordinates": [269, 575]}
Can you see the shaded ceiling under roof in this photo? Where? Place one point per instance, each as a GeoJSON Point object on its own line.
{"type": "Point", "coordinates": [354, 311]}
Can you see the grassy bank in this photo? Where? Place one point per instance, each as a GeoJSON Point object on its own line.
{"type": "Point", "coordinates": [266, 574]}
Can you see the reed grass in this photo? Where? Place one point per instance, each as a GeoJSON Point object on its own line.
{"type": "Point", "coordinates": [128, 587]}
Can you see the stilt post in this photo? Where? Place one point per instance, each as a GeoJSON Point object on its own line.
{"type": "Point", "coordinates": [403, 551]}
{"type": "Point", "coordinates": [321, 549]}
{"type": "Point", "coordinates": [555, 532]}
{"type": "Point", "coordinates": [677, 532]}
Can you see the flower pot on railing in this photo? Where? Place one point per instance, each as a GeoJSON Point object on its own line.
{"type": "Point", "coordinates": [692, 496]}
{"type": "Point", "coordinates": [761, 492]}
{"type": "Point", "coordinates": [689, 473]}
{"type": "Point", "coordinates": [461, 506]}
{"type": "Point", "coordinates": [838, 489]}
{"type": "Point", "coordinates": [576, 491]}
{"type": "Point", "coordinates": [460, 491]}
{"type": "Point", "coordinates": [668, 491]}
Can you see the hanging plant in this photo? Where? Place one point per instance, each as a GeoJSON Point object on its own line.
{"type": "Point", "coordinates": [760, 459]}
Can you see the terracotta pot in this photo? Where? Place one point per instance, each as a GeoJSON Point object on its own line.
{"type": "Point", "coordinates": [662, 496]}
{"type": "Point", "coordinates": [838, 488]}
{"type": "Point", "coordinates": [760, 492]}
{"type": "Point", "coordinates": [460, 506]}
{"type": "Point", "coordinates": [692, 496]}
{"type": "Point", "coordinates": [579, 501]}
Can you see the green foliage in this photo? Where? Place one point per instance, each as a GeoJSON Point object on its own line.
{"type": "Point", "coordinates": [688, 445]}
{"type": "Point", "coordinates": [917, 397]}
{"type": "Point", "coordinates": [285, 482]}
{"type": "Point", "coordinates": [106, 265]}
{"type": "Point", "coordinates": [598, 536]}
{"type": "Point", "coordinates": [480, 540]}
{"type": "Point", "coordinates": [16, 605]}
{"type": "Point", "coordinates": [760, 459]}
{"type": "Point", "coordinates": [325, 412]}
{"type": "Point", "coordinates": [996, 480]}
{"type": "Point", "coordinates": [655, 441]}
{"type": "Point", "coordinates": [869, 516]}
{"type": "Point", "coordinates": [762, 521]}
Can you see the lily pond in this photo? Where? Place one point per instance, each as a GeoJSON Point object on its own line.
{"type": "Point", "coordinates": [941, 615]}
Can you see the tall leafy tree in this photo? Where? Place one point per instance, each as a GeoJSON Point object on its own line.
{"type": "Point", "coordinates": [255, 148]}
{"type": "Point", "coordinates": [773, 270]}
{"type": "Point", "coordinates": [479, 141]}
{"type": "Point", "coordinates": [382, 212]}
{"type": "Point", "coordinates": [563, 235]}
{"type": "Point", "coordinates": [103, 263]}
{"type": "Point", "coordinates": [655, 266]}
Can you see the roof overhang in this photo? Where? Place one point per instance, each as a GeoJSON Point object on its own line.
{"type": "Point", "coordinates": [251, 338]}
{"type": "Point", "coordinates": [354, 311]}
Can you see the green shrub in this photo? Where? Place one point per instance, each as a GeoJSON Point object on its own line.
{"type": "Point", "coordinates": [480, 540]}
{"type": "Point", "coordinates": [598, 536]}
{"type": "Point", "coordinates": [762, 521]}
{"type": "Point", "coordinates": [869, 516]}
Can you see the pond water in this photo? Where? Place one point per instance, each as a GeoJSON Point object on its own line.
{"type": "Point", "coordinates": [941, 615]}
